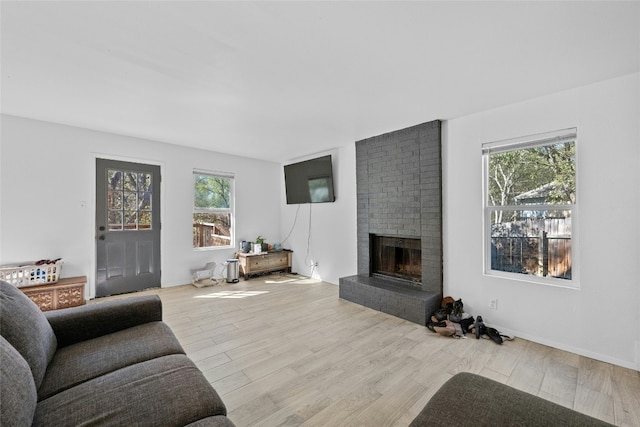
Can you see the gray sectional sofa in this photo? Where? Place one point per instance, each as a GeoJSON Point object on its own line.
{"type": "Point", "coordinates": [111, 363]}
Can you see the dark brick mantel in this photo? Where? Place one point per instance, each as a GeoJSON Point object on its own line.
{"type": "Point", "coordinates": [399, 190]}
{"type": "Point", "coordinates": [399, 181]}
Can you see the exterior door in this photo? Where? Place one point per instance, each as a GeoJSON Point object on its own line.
{"type": "Point", "coordinates": [127, 227]}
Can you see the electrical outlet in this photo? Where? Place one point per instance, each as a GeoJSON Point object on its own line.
{"type": "Point", "coordinates": [493, 303]}
{"type": "Point", "coordinates": [315, 263]}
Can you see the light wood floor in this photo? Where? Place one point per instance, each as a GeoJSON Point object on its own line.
{"type": "Point", "coordinates": [285, 350]}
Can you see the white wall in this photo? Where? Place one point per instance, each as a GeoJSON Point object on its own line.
{"type": "Point", "coordinates": [602, 318]}
{"type": "Point", "coordinates": [47, 170]}
{"type": "Point", "coordinates": [333, 243]}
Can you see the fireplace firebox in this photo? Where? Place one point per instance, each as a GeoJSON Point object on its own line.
{"type": "Point", "coordinates": [397, 257]}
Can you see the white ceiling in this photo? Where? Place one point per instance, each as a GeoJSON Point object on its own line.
{"type": "Point", "coordinates": [281, 80]}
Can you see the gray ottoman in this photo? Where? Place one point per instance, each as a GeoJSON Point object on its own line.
{"type": "Point", "coordinates": [471, 400]}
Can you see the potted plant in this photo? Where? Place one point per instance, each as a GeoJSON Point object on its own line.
{"type": "Point", "coordinates": [259, 245]}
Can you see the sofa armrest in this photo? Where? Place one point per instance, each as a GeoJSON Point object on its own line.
{"type": "Point", "coordinates": [75, 324]}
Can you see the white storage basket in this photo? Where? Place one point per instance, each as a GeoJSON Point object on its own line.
{"type": "Point", "coordinates": [30, 274]}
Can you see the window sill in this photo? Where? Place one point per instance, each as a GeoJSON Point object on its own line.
{"type": "Point", "coordinates": [573, 284]}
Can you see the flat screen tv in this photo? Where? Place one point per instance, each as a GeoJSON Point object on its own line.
{"type": "Point", "coordinates": [310, 181]}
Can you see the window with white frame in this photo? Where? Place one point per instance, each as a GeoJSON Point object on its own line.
{"type": "Point", "coordinates": [212, 210]}
{"type": "Point", "coordinates": [530, 207]}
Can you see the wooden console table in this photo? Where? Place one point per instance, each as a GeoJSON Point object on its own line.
{"type": "Point", "coordinates": [67, 292]}
{"type": "Point", "coordinates": [265, 262]}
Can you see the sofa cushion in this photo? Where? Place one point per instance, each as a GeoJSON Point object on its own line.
{"type": "Point", "coordinates": [169, 390]}
{"type": "Point", "coordinates": [89, 359]}
{"type": "Point", "coordinates": [18, 394]}
{"type": "Point", "coordinates": [27, 330]}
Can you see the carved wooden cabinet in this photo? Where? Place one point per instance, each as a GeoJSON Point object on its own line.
{"type": "Point", "coordinates": [263, 263]}
{"type": "Point", "coordinates": [67, 292]}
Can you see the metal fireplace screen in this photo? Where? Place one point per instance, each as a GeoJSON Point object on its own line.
{"type": "Point", "coordinates": [396, 257]}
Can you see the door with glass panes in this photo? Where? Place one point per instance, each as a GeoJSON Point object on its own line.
{"type": "Point", "coordinates": [127, 227]}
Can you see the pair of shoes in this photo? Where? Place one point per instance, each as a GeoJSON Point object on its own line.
{"type": "Point", "coordinates": [479, 327]}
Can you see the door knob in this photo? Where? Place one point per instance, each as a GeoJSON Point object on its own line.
{"type": "Point", "coordinates": [101, 228]}
{"type": "Point", "coordinates": [101, 237]}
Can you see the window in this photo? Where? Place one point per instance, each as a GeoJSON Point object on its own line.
{"type": "Point", "coordinates": [530, 204]}
{"type": "Point", "coordinates": [129, 200]}
{"type": "Point", "coordinates": [212, 210]}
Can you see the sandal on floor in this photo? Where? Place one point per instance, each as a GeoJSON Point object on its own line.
{"type": "Point", "coordinates": [479, 327]}
{"type": "Point", "coordinates": [494, 335]}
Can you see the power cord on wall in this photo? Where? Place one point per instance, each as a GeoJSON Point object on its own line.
{"type": "Point", "coordinates": [309, 241]}
{"type": "Point", "coordinates": [295, 220]}
{"type": "Point", "coordinates": [292, 226]}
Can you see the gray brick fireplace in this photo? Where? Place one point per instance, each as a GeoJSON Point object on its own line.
{"type": "Point", "coordinates": [399, 187]}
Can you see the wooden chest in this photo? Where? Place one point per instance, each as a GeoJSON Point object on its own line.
{"type": "Point", "coordinates": [67, 292]}
{"type": "Point", "coordinates": [263, 263]}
